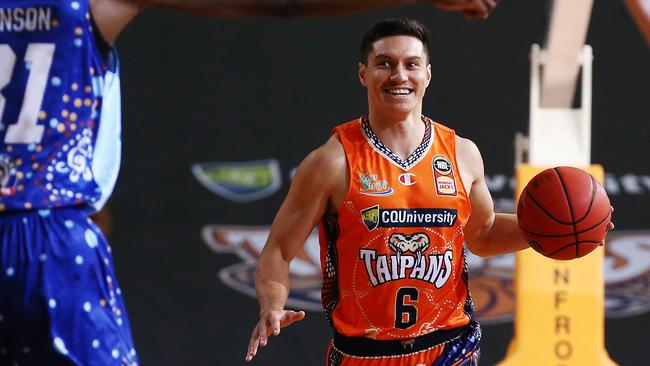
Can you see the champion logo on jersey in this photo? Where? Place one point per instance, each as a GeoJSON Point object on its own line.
{"type": "Point", "coordinates": [407, 179]}
{"type": "Point", "coordinates": [371, 185]}
{"type": "Point", "coordinates": [443, 176]}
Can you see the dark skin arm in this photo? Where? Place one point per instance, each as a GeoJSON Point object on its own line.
{"type": "Point", "coordinates": [112, 16]}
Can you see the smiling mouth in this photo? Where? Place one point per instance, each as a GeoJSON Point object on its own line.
{"type": "Point", "coordinates": [399, 92]}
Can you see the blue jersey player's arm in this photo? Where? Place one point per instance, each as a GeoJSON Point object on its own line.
{"type": "Point", "coordinates": [113, 15]}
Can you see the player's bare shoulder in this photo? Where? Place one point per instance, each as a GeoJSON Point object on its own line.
{"type": "Point", "coordinates": [327, 159]}
{"type": "Point", "coordinates": [326, 168]}
{"type": "Point", "coordinates": [468, 154]}
{"type": "Point", "coordinates": [470, 162]}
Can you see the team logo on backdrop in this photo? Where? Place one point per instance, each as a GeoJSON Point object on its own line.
{"type": "Point", "coordinates": [240, 181]}
{"type": "Point", "coordinates": [407, 179]}
{"type": "Point", "coordinates": [247, 242]}
{"type": "Point", "coordinates": [371, 185]}
{"type": "Point", "coordinates": [627, 270]}
{"type": "Point", "coordinates": [7, 176]}
{"type": "Point", "coordinates": [443, 176]}
{"type": "Point", "coordinates": [374, 217]}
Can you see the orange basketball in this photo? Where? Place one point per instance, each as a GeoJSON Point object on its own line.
{"type": "Point", "coordinates": [563, 213]}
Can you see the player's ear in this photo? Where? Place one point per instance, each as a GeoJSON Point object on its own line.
{"type": "Point", "coordinates": [362, 74]}
{"type": "Point", "coordinates": [428, 74]}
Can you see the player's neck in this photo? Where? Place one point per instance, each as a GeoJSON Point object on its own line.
{"type": "Point", "coordinates": [400, 133]}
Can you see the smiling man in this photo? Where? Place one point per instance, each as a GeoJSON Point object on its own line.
{"type": "Point", "coordinates": [395, 195]}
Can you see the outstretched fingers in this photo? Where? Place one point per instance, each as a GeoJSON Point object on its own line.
{"type": "Point", "coordinates": [288, 318]}
{"type": "Point", "coordinates": [270, 325]}
{"type": "Point", "coordinates": [253, 344]}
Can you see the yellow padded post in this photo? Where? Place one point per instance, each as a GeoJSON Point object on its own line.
{"type": "Point", "coordinates": [559, 309]}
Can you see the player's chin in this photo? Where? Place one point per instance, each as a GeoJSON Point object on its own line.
{"type": "Point", "coordinates": [399, 108]}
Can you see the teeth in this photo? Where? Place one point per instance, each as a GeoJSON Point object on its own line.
{"type": "Point", "coordinates": [399, 91]}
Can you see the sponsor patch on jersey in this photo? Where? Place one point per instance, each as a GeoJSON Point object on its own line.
{"type": "Point", "coordinates": [443, 176]}
{"type": "Point", "coordinates": [407, 179]}
{"type": "Point", "coordinates": [371, 185]}
{"type": "Point", "coordinates": [240, 181]}
{"type": "Point", "coordinates": [370, 217]}
{"type": "Point", "coordinates": [374, 217]}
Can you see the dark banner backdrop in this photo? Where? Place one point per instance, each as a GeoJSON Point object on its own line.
{"type": "Point", "coordinates": [201, 90]}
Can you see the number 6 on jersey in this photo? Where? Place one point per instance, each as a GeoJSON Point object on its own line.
{"type": "Point", "coordinates": [406, 314]}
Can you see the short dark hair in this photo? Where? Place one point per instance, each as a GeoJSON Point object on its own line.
{"type": "Point", "coordinates": [394, 27]}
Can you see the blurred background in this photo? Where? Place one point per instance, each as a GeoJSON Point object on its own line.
{"type": "Point", "coordinates": [197, 90]}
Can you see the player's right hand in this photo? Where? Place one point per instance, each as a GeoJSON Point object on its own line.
{"type": "Point", "coordinates": [271, 321]}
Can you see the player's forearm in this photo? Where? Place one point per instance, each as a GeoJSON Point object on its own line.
{"type": "Point", "coordinates": [503, 236]}
{"type": "Point", "coordinates": [272, 280]}
{"type": "Point", "coordinates": [274, 8]}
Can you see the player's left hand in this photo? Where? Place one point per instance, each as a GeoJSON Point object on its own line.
{"type": "Point", "coordinates": [473, 9]}
{"type": "Point", "coordinates": [610, 225]}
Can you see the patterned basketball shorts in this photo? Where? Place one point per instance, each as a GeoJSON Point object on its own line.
{"type": "Point", "coordinates": [461, 348]}
{"type": "Point", "coordinates": [60, 302]}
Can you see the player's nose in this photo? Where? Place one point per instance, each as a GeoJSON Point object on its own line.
{"type": "Point", "coordinates": [399, 74]}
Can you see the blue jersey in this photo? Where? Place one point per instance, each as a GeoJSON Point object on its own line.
{"type": "Point", "coordinates": [59, 107]}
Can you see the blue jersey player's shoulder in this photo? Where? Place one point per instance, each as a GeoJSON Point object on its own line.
{"type": "Point", "coordinates": [53, 78]}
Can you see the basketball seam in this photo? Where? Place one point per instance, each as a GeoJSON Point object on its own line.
{"type": "Point", "coordinates": [568, 202]}
{"type": "Point", "coordinates": [576, 243]}
{"type": "Point", "coordinates": [563, 235]}
{"type": "Point", "coordinates": [591, 202]}
{"type": "Point", "coordinates": [544, 210]}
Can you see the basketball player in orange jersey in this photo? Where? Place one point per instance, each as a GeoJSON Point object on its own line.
{"type": "Point", "coordinates": [395, 195]}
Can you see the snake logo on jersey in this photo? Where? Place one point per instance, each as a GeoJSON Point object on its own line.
{"type": "Point", "coordinates": [409, 261]}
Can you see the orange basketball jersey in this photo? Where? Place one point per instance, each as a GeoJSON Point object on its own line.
{"type": "Point", "coordinates": [393, 257]}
